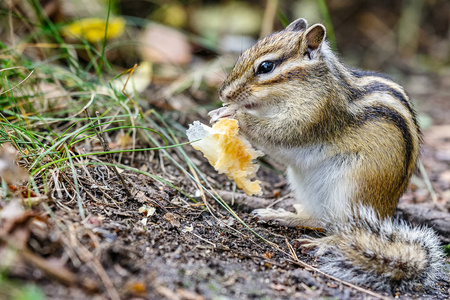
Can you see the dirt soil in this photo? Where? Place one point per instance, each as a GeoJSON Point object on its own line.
{"type": "Point", "coordinates": [187, 250]}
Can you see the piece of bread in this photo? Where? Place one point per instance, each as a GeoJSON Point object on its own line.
{"type": "Point", "coordinates": [228, 152]}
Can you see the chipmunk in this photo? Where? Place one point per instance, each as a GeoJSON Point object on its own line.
{"type": "Point", "coordinates": [350, 141]}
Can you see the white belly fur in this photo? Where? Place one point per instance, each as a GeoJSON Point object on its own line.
{"type": "Point", "coordinates": [322, 185]}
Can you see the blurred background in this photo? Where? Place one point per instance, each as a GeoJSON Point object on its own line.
{"type": "Point", "coordinates": [400, 36]}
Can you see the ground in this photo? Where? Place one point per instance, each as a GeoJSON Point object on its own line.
{"type": "Point", "coordinates": [175, 248]}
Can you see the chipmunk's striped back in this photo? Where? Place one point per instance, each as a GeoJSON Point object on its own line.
{"type": "Point", "coordinates": [376, 103]}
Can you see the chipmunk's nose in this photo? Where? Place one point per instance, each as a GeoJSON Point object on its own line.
{"type": "Point", "coordinates": [224, 97]}
{"type": "Point", "coordinates": [229, 93]}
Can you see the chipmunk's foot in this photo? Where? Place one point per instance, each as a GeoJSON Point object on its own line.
{"type": "Point", "coordinates": [287, 218]}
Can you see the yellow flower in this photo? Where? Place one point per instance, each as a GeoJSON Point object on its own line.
{"type": "Point", "coordinates": [93, 29]}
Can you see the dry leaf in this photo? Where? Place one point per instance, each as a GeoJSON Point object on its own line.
{"type": "Point", "coordinates": [173, 219]}
{"type": "Point", "coordinates": [137, 289]}
{"type": "Point", "coordinates": [148, 210]}
{"type": "Point", "coordinates": [161, 44]}
{"type": "Point", "coordinates": [11, 215]}
{"type": "Point", "coordinates": [9, 170]}
{"type": "Point", "coordinates": [141, 197]}
{"type": "Point", "coordinates": [189, 228]}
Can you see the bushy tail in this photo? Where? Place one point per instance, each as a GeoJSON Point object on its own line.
{"type": "Point", "coordinates": [382, 254]}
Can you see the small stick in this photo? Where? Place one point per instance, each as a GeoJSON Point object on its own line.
{"type": "Point", "coordinates": [427, 181]}
{"type": "Point", "coordinates": [130, 71]}
{"type": "Point", "coordinates": [205, 240]}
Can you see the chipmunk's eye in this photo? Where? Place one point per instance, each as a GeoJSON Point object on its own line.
{"type": "Point", "coordinates": [265, 67]}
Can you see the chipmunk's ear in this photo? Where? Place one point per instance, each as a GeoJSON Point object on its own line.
{"type": "Point", "coordinates": [312, 40]}
{"type": "Point", "coordinates": [297, 25]}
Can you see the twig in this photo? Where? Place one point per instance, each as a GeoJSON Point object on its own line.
{"type": "Point", "coordinates": [105, 145]}
{"type": "Point", "coordinates": [160, 205]}
{"type": "Point", "coordinates": [250, 202]}
{"type": "Point", "coordinates": [248, 255]}
{"type": "Point", "coordinates": [86, 106]}
{"type": "Point", "coordinates": [203, 239]}
{"type": "Point", "coordinates": [130, 71]}
{"type": "Point", "coordinates": [4, 92]}
{"type": "Point", "coordinates": [291, 249]}
{"type": "Point", "coordinates": [288, 196]}
{"type": "Point", "coordinates": [427, 181]}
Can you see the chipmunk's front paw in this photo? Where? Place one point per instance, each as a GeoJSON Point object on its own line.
{"type": "Point", "coordinates": [221, 113]}
{"type": "Point", "coordinates": [283, 217]}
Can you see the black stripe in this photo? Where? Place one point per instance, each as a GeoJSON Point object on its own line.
{"type": "Point", "coordinates": [381, 87]}
{"type": "Point", "coordinates": [297, 74]}
{"type": "Point", "coordinates": [380, 112]}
